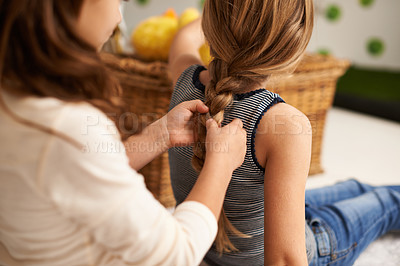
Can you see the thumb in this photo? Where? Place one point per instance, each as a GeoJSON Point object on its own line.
{"type": "Point", "coordinates": [195, 106]}
{"type": "Point", "coordinates": [211, 124]}
{"type": "Point", "coordinates": [238, 122]}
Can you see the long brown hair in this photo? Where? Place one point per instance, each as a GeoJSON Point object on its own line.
{"type": "Point", "coordinates": [250, 40]}
{"type": "Point", "coordinates": [42, 55]}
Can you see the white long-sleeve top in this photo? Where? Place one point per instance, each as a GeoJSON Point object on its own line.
{"type": "Point", "coordinates": [61, 205]}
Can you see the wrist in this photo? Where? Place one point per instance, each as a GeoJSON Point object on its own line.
{"type": "Point", "coordinates": [159, 135]}
{"type": "Point", "coordinates": [218, 161]}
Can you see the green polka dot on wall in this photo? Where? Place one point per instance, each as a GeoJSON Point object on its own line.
{"type": "Point", "coordinates": [142, 2]}
{"type": "Point", "coordinates": [201, 3]}
{"type": "Point", "coordinates": [366, 3]}
{"type": "Point", "coordinates": [323, 51]}
{"type": "Point", "coordinates": [375, 46]}
{"type": "Point", "coordinates": [333, 13]}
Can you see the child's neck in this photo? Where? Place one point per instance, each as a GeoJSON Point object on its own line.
{"type": "Point", "coordinates": [205, 79]}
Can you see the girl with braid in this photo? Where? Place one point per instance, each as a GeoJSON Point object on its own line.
{"type": "Point", "coordinates": [267, 217]}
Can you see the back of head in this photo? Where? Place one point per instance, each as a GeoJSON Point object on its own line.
{"type": "Point", "coordinates": [250, 40]}
{"type": "Point", "coordinates": [257, 38]}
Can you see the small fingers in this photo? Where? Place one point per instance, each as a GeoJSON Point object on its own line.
{"type": "Point", "coordinates": [238, 122]}
{"type": "Point", "coordinates": [196, 106]}
{"type": "Point", "coordinates": [211, 124]}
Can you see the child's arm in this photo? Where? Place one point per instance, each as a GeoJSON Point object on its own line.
{"type": "Point", "coordinates": [287, 158]}
{"type": "Point", "coordinates": [184, 50]}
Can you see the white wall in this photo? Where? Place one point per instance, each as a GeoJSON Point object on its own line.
{"type": "Point", "coordinates": [347, 37]}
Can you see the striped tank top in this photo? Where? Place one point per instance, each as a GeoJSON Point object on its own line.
{"type": "Point", "coordinates": [244, 201]}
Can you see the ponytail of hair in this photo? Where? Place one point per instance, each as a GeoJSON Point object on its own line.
{"type": "Point", "coordinates": [219, 95]}
{"type": "Point", "coordinates": [254, 39]}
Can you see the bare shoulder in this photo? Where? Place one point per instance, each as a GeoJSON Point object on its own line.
{"type": "Point", "coordinates": [284, 118]}
{"type": "Point", "coordinates": [204, 77]}
{"type": "Point", "coordinates": [282, 125]}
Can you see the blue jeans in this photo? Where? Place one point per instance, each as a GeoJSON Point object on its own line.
{"type": "Point", "coordinates": [347, 217]}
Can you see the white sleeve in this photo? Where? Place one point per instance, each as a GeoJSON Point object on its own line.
{"type": "Point", "coordinates": [96, 188]}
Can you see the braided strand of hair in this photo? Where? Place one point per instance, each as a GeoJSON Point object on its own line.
{"type": "Point", "coordinates": [219, 95]}
{"type": "Point", "coordinates": [254, 40]}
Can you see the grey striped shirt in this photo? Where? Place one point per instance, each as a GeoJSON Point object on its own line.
{"type": "Point", "coordinates": [244, 201]}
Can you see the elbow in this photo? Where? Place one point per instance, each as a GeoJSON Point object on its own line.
{"type": "Point", "coordinates": [186, 254]}
{"type": "Point", "coordinates": [286, 260]}
{"type": "Point", "coordinates": [188, 247]}
{"type": "Point", "coordinates": [289, 255]}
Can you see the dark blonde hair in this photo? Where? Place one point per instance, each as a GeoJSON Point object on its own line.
{"type": "Point", "coordinates": [249, 40]}
{"type": "Point", "coordinates": [42, 55]}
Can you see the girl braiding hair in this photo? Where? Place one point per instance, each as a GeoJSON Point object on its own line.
{"type": "Point", "coordinates": [70, 192]}
{"type": "Point", "coordinates": [249, 42]}
{"type": "Point", "coordinates": [48, 58]}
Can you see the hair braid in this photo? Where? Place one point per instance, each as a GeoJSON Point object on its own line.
{"type": "Point", "coordinates": [218, 96]}
{"type": "Point", "coordinates": [254, 40]}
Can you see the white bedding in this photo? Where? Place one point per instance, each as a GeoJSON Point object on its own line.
{"type": "Point", "coordinates": [385, 251]}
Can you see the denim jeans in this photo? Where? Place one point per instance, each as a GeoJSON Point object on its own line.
{"type": "Point", "coordinates": [345, 218]}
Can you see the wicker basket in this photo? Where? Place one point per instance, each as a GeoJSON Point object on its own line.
{"type": "Point", "coordinates": [147, 89]}
{"type": "Point", "coordinates": [311, 89]}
